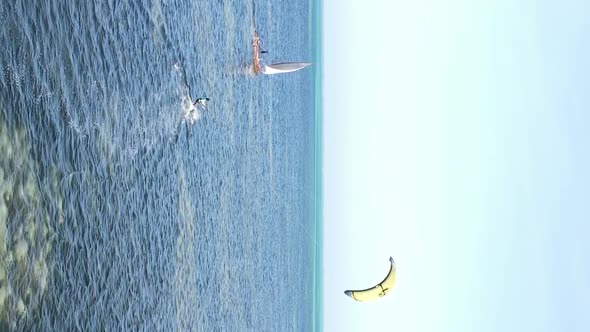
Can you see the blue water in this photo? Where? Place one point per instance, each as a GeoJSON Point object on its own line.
{"type": "Point", "coordinates": [120, 208]}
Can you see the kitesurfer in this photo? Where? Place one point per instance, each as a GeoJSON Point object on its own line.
{"type": "Point", "coordinates": [202, 101]}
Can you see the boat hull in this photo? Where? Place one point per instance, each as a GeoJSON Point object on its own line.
{"type": "Point", "coordinates": [256, 51]}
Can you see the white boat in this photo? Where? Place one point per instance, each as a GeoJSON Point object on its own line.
{"type": "Point", "coordinates": [275, 68]}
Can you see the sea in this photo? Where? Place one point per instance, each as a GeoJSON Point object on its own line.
{"type": "Point", "coordinates": [124, 208]}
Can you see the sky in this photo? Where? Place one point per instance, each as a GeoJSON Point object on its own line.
{"type": "Point", "coordinates": [456, 139]}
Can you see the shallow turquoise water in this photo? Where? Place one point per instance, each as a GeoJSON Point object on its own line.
{"type": "Point", "coordinates": [116, 212]}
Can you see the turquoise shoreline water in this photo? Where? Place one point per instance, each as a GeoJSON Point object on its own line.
{"type": "Point", "coordinates": [116, 212]}
{"type": "Point", "coordinates": [316, 15]}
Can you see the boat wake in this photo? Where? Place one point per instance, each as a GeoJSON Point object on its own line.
{"type": "Point", "coordinates": [248, 70]}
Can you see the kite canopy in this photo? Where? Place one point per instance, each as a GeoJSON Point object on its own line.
{"type": "Point", "coordinates": [377, 291]}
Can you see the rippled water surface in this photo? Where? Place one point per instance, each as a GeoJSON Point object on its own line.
{"type": "Point", "coordinates": [120, 208]}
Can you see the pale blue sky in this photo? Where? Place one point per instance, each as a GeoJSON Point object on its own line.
{"type": "Point", "coordinates": [457, 139]}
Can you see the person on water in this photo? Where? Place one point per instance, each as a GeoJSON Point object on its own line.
{"type": "Point", "coordinates": [202, 101]}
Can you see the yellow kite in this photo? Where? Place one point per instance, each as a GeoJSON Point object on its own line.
{"type": "Point", "coordinates": [378, 291]}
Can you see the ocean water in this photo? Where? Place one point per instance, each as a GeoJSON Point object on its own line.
{"type": "Point", "coordinates": [121, 208]}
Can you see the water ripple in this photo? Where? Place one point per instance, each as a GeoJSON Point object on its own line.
{"type": "Point", "coordinates": [121, 208]}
